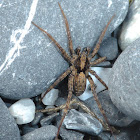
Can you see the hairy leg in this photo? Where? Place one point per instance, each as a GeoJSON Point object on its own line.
{"type": "Point", "coordinates": [97, 61]}
{"type": "Point", "coordinates": [95, 50]}
{"type": "Point", "coordinates": [68, 31]}
{"type": "Point", "coordinates": [67, 72]}
{"type": "Point", "coordinates": [79, 103]}
{"type": "Point", "coordinates": [98, 102]}
{"type": "Point", "coordinates": [63, 52]}
{"type": "Point", "coordinates": [70, 91]}
{"type": "Point", "coordinates": [94, 73]}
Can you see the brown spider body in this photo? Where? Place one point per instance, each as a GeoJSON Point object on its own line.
{"type": "Point", "coordinates": [80, 66]}
{"type": "Point", "coordinates": [80, 63]}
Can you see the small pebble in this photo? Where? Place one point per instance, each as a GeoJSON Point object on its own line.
{"type": "Point", "coordinates": [23, 111]}
{"type": "Point", "coordinates": [82, 122]}
{"type": "Point", "coordinates": [48, 120]}
{"type": "Point", "coordinates": [37, 118]}
{"type": "Point", "coordinates": [50, 97]}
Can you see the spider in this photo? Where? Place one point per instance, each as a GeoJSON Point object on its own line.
{"type": "Point", "coordinates": [80, 63]}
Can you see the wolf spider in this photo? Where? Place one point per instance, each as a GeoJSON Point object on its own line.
{"type": "Point", "coordinates": [80, 63]}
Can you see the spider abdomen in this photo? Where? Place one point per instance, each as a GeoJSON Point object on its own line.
{"type": "Point", "coordinates": [79, 83]}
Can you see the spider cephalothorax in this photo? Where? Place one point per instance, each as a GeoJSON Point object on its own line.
{"type": "Point", "coordinates": [80, 63]}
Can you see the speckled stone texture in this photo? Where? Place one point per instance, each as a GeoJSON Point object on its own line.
{"type": "Point", "coordinates": [8, 127]}
{"type": "Point", "coordinates": [29, 62]}
{"type": "Point", "coordinates": [124, 81]}
{"type": "Point", "coordinates": [44, 133]}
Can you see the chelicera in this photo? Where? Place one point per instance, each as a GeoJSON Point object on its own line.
{"type": "Point", "coordinates": [80, 63]}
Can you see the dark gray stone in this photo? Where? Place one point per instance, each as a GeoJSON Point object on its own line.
{"type": "Point", "coordinates": [109, 48]}
{"type": "Point", "coordinates": [43, 133]}
{"type": "Point", "coordinates": [27, 129]}
{"type": "Point", "coordinates": [120, 136]}
{"type": "Point", "coordinates": [8, 127]}
{"type": "Point", "coordinates": [124, 81]}
{"type": "Point", "coordinates": [70, 135]}
{"type": "Point", "coordinates": [114, 116]}
{"type": "Point", "coordinates": [37, 118]}
{"type": "Point", "coordinates": [29, 60]}
{"type": "Point", "coordinates": [60, 101]}
{"type": "Point", "coordinates": [48, 120]}
{"type": "Point", "coordinates": [82, 122]}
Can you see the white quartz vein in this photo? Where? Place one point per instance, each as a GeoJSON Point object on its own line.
{"type": "Point", "coordinates": [15, 50]}
{"type": "Point", "coordinates": [1, 3]}
{"type": "Point", "coordinates": [109, 3]}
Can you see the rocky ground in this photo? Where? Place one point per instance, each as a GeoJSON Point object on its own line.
{"type": "Point", "coordinates": [30, 63]}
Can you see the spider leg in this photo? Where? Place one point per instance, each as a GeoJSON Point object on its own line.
{"type": "Point", "coordinates": [63, 52]}
{"type": "Point", "coordinates": [95, 50]}
{"type": "Point", "coordinates": [68, 71]}
{"type": "Point", "coordinates": [94, 73]}
{"type": "Point", "coordinates": [70, 90]}
{"type": "Point", "coordinates": [97, 100]}
{"type": "Point", "coordinates": [68, 31]}
{"type": "Point", "coordinates": [97, 61]}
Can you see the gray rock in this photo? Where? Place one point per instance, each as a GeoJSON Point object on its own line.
{"type": "Point", "coordinates": [48, 120]}
{"type": "Point", "coordinates": [27, 129]}
{"type": "Point", "coordinates": [130, 30]}
{"type": "Point", "coordinates": [82, 122]}
{"type": "Point", "coordinates": [37, 118]}
{"type": "Point", "coordinates": [29, 60]}
{"type": "Point", "coordinates": [43, 133]}
{"type": "Point", "coordinates": [8, 127]}
{"type": "Point", "coordinates": [60, 101]}
{"type": "Point", "coordinates": [120, 136]}
{"type": "Point", "coordinates": [109, 48]}
{"type": "Point", "coordinates": [114, 116]}
{"type": "Point", "coordinates": [124, 81]}
{"type": "Point", "coordinates": [70, 135]}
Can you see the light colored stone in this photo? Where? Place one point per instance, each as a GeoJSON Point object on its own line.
{"type": "Point", "coordinates": [23, 111]}
{"type": "Point", "coordinates": [131, 27]}
{"type": "Point", "coordinates": [50, 97]}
